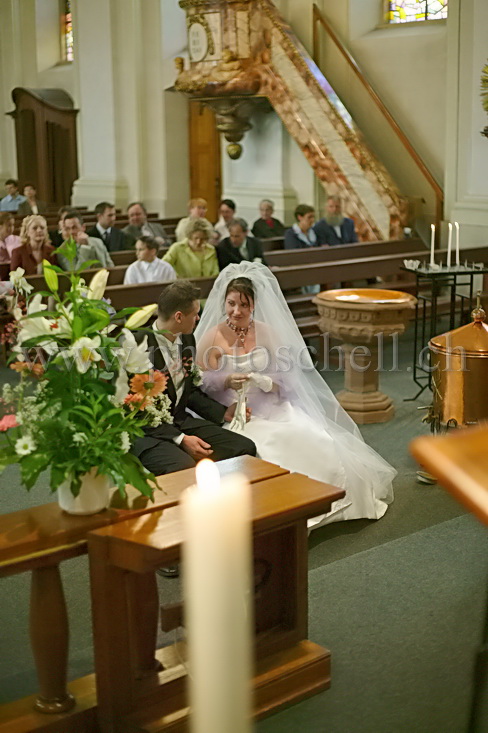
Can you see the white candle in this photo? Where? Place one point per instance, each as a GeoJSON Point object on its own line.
{"type": "Point", "coordinates": [456, 226]}
{"type": "Point", "coordinates": [217, 559]}
{"type": "Point", "coordinates": [449, 244]}
{"type": "Point", "coordinates": [432, 242]}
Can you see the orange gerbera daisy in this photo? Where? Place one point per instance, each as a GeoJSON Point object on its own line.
{"type": "Point", "coordinates": [150, 384]}
{"type": "Point", "coordinates": [136, 401]}
{"type": "Point", "coordinates": [25, 366]}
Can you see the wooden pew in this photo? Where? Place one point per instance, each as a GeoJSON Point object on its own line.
{"type": "Point", "coordinates": [312, 255]}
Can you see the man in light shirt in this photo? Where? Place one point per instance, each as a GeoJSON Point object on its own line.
{"type": "Point", "coordinates": [148, 268]}
{"type": "Point", "coordinates": [13, 199]}
{"type": "Point", "coordinates": [87, 248]}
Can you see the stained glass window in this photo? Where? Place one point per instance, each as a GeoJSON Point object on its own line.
{"type": "Point", "coordinates": [409, 11]}
{"type": "Point", "coordinates": [67, 30]}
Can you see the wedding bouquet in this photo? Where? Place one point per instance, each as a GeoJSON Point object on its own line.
{"type": "Point", "coordinates": [86, 387]}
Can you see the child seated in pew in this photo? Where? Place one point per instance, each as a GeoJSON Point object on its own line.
{"type": "Point", "coordinates": [148, 267]}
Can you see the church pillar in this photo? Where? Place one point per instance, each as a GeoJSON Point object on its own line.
{"type": "Point", "coordinates": [466, 190]}
{"type": "Point", "coordinates": [97, 139]}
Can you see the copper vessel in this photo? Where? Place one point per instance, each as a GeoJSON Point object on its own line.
{"type": "Point", "coordinates": [459, 361]}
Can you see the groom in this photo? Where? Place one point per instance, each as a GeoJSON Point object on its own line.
{"type": "Point", "coordinates": [180, 445]}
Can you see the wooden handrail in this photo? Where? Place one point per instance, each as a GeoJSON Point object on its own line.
{"type": "Point", "coordinates": [439, 194]}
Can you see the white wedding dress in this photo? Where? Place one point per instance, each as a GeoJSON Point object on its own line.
{"type": "Point", "coordinates": [299, 424]}
{"type": "Point", "coordinates": [285, 435]}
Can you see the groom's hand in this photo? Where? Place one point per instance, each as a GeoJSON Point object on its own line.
{"type": "Point", "coordinates": [231, 411]}
{"type": "Point", "coordinates": [196, 447]}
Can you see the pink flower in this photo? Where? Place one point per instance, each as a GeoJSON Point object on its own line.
{"type": "Point", "coordinates": [8, 421]}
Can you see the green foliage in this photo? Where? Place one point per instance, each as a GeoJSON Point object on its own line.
{"type": "Point", "coordinates": [72, 415]}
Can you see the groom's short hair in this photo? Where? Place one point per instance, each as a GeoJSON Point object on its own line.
{"type": "Point", "coordinates": [179, 296]}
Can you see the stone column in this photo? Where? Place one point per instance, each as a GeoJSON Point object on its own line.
{"type": "Point", "coordinates": [97, 134]}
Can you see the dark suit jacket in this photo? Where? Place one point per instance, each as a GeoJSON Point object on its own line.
{"type": "Point", "coordinates": [293, 241]}
{"type": "Point", "coordinates": [25, 209]}
{"type": "Point", "coordinates": [228, 254]}
{"type": "Point", "coordinates": [327, 234]}
{"type": "Point", "coordinates": [263, 230]}
{"type": "Point", "coordinates": [116, 240]}
{"type": "Point", "coordinates": [56, 237]}
{"type": "Point", "coordinates": [192, 398]}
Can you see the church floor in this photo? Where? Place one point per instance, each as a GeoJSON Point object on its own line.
{"type": "Point", "coordinates": [399, 601]}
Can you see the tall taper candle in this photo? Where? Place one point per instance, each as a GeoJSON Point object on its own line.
{"type": "Point", "coordinates": [217, 596]}
{"type": "Point", "coordinates": [432, 242]}
{"type": "Point", "coordinates": [456, 227]}
{"type": "Point", "coordinates": [449, 244]}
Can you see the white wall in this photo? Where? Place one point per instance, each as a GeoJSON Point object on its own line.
{"type": "Point", "coordinates": [466, 148]}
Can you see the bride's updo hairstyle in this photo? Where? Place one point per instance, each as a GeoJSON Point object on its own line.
{"type": "Point", "coordinates": [243, 286]}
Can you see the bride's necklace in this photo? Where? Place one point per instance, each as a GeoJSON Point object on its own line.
{"type": "Point", "coordinates": [241, 333]}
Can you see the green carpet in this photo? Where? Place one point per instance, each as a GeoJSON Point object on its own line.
{"type": "Point", "coordinates": [403, 622]}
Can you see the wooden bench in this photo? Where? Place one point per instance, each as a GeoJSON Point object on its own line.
{"type": "Point", "coordinates": [37, 540]}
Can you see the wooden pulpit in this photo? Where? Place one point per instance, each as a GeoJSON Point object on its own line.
{"type": "Point", "coordinates": [133, 694]}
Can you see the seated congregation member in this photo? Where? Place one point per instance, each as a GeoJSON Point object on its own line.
{"type": "Point", "coordinates": [335, 228]}
{"type": "Point", "coordinates": [56, 235]}
{"type": "Point", "coordinates": [197, 209]}
{"type": "Point", "coordinates": [267, 226]}
{"type": "Point", "coordinates": [227, 212]}
{"type": "Point", "coordinates": [34, 246]}
{"type": "Point", "coordinates": [247, 339]}
{"type": "Point", "coordinates": [301, 234]}
{"type": "Point", "coordinates": [31, 205]}
{"type": "Point", "coordinates": [104, 229]}
{"type": "Point", "coordinates": [139, 226]}
{"type": "Point", "coordinates": [239, 246]}
{"type": "Point", "coordinates": [148, 268]}
{"type": "Point", "coordinates": [87, 248]}
{"type": "Point", "coordinates": [179, 445]}
{"type": "Point", "coordinates": [13, 199]}
{"type": "Point", "coordinates": [194, 256]}
{"type": "Point", "coordinates": [8, 240]}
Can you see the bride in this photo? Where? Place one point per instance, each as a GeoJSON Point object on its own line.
{"type": "Point", "coordinates": [248, 343]}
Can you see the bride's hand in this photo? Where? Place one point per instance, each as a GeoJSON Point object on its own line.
{"type": "Point", "coordinates": [235, 381]}
{"type": "Point", "coordinates": [231, 411]}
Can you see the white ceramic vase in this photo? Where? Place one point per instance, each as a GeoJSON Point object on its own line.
{"type": "Point", "coordinates": [93, 497]}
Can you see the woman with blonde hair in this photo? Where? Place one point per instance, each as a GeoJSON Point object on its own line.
{"type": "Point", "coordinates": [197, 209]}
{"type": "Point", "coordinates": [194, 256]}
{"type": "Point", "coordinates": [34, 246]}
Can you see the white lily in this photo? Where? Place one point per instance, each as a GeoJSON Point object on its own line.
{"type": "Point", "coordinates": [97, 285]}
{"type": "Point", "coordinates": [19, 282]}
{"type": "Point", "coordinates": [121, 387]}
{"type": "Point", "coordinates": [140, 317]}
{"type": "Point", "coordinates": [85, 352]}
{"type": "Point", "coordinates": [132, 356]}
{"type": "Point", "coordinates": [36, 304]}
{"type": "Point", "coordinates": [34, 327]}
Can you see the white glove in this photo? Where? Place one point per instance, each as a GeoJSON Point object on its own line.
{"type": "Point", "coordinates": [262, 381]}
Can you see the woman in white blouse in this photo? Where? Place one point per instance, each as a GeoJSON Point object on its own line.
{"type": "Point", "coordinates": [148, 268]}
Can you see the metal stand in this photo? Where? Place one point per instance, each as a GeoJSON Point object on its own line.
{"type": "Point", "coordinates": [430, 282]}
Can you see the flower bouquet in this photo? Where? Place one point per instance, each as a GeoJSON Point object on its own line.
{"type": "Point", "coordinates": [86, 387]}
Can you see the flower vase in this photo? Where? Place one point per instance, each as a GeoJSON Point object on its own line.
{"type": "Point", "coordinates": [94, 495]}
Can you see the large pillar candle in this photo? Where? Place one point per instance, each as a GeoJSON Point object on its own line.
{"type": "Point", "coordinates": [217, 595]}
{"type": "Point", "coordinates": [449, 245]}
{"type": "Point", "coordinates": [456, 226]}
{"type": "Point", "coordinates": [432, 244]}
